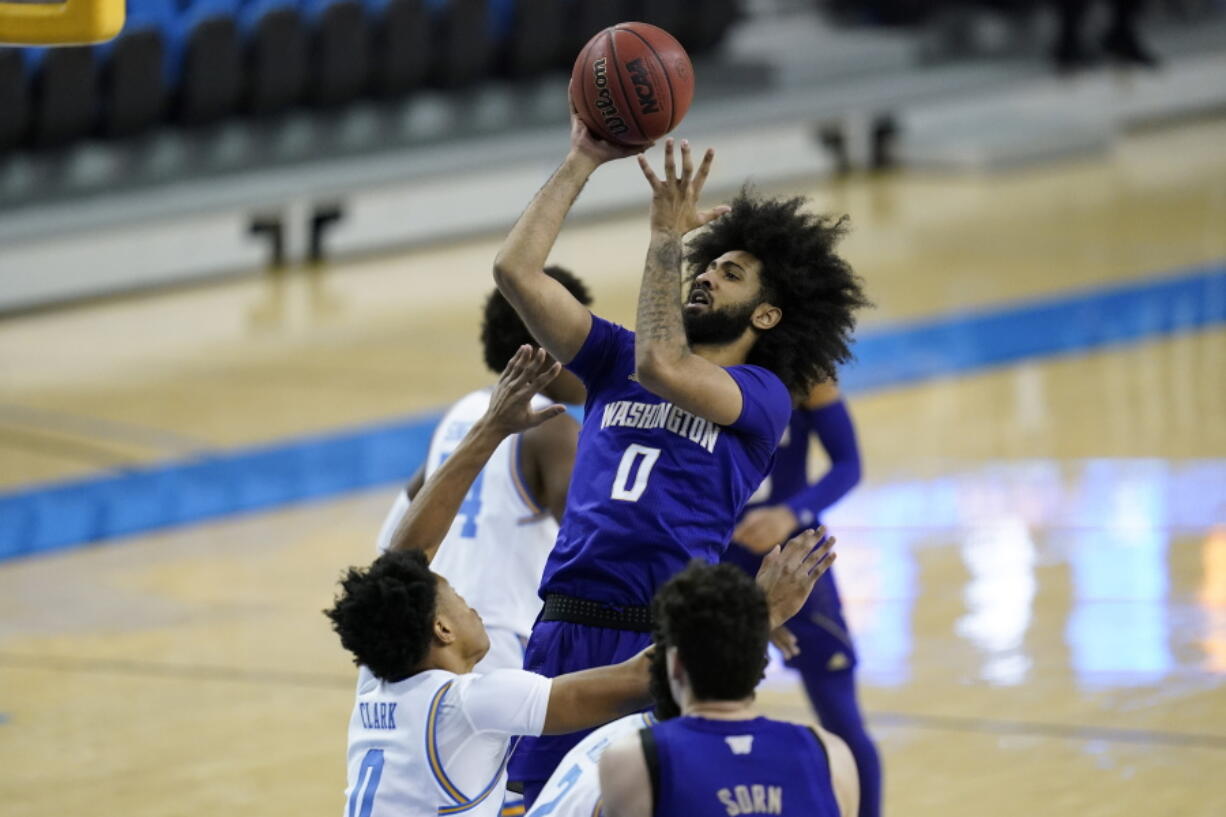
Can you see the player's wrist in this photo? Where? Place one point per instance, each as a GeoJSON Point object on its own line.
{"type": "Point", "coordinates": [581, 162]}
{"type": "Point", "coordinates": [666, 232]}
{"type": "Point", "coordinates": [489, 432]}
{"type": "Point", "coordinates": [802, 516]}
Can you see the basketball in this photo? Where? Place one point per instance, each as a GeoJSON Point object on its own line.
{"type": "Point", "coordinates": [632, 83]}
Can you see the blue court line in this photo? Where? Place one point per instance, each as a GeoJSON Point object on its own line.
{"type": "Point", "coordinates": [1073, 323]}
{"type": "Point", "coordinates": [92, 509]}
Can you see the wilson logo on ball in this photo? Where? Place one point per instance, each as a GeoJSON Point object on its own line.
{"type": "Point", "coordinates": [642, 86]}
{"type": "Point", "coordinates": [604, 100]}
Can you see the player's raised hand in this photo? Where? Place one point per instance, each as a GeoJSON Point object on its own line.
{"type": "Point", "coordinates": [526, 374]}
{"type": "Point", "coordinates": [789, 572]}
{"type": "Point", "coordinates": [674, 199]}
{"type": "Point", "coordinates": [588, 144]}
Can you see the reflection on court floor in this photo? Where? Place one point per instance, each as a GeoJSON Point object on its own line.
{"type": "Point", "coordinates": [1108, 525]}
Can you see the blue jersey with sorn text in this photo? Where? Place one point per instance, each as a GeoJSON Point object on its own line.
{"type": "Point", "coordinates": [715, 768]}
{"type": "Point", "coordinates": [654, 486]}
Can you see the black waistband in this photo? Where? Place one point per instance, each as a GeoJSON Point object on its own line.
{"type": "Point", "coordinates": [596, 613]}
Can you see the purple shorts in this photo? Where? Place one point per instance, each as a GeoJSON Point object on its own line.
{"type": "Point", "coordinates": [556, 648]}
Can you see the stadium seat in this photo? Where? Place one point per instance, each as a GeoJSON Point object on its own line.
{"type": "Point", "coordinates": [400, 51]}
{"type": "Point", "coordinates": [702, 31]}
{"type": "Point", "coordinates": [669, 15]}
{"type": "Point", "coordinates": [135, 69]}
{"type": "Point", "coordinates": [527, 35]}
{"type": "Point", "coordinates": [64, 94]}
{"type": "Point", "coordinates": [14, 98]}
{"type": "Point", "coordinates": [274, 42]}
{"type": "Point", "coordinates": [205, 61]}
{"type": "Point", "coordinates": [462, 47]}
{"type": "Point", "coordinates": [340, 50]}
{"type": "Point", "coordinates": [582, 19]}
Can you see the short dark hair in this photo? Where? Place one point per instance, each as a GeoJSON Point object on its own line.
{"type": "Point", "coordinates": [717, 618]}
{"type": "Point", "coordinates": [385, 613]}
{"type": "Point", "coordinates": [801, 274]}
{"type": "Point", "coordinates": [503, 331]}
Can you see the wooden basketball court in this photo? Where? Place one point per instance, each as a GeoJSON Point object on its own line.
{"type": "Point", "coordinates": [1035, 565]}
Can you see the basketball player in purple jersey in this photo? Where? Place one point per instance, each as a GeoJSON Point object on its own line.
{"type": "Point", "coordinates": [682, 418]}
{"type": "Point", "coordinates": [720, 757]}
{"type": "Point", "coordinates": [785, 503]}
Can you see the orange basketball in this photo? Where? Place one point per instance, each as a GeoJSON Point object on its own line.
{"type": "Point", "coordinates": [632, 83]}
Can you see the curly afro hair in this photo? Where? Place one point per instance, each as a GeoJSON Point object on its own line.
{"type": "Point", "coordinates": [502, 330]}
{"type": "Point", "coordinates": [801, 274]}
{"type": "Point", "coordinates": [385, 613]}
{"type": "Point", "coordinates": [717, 618]}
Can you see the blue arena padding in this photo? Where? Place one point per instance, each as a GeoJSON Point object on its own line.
{"type": "Point", "coordinates": [49, 517]}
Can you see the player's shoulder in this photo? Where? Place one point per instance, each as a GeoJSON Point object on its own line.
{"type": "Point", "coordinates": [462, 413]}
{"type": "Point", "coordinates": [623, 775]}
{"type": "Point", "coordinates": [759, 378]}
{"type": "Point", "coordinates": [605, 332]}
{"type": "Point", "coordinates": [431, 683]}
{"type": "Point", "coordinates": [430, 678]}
{"type": "Point", "coordinates": [822, 395]}
{"type": "Point", "coordinates": [503, 684]}
{"type": "Point", "coordinates": [831, 743]}
{"type": "Point", "coordinates": [622, 726]}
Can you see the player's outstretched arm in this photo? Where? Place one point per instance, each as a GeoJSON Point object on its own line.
{"type": "Point", "coordinates": [591, 697]}
{"type": "Point", "coordinates": [510, 411]}
{"type": "Point", "coordinates": [663, 359]}
{"type": "Point", "coordinates": [413, 487]}
{"type": "Point", "coordinates": [556, 319]}
{"type": "Point", "coordinates": [827, 415]}
{"type": "Point", "coordinates": [625, 783]}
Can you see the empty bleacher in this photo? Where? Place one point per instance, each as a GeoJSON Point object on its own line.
{"type": "Point", "coordinates": [188, 63]}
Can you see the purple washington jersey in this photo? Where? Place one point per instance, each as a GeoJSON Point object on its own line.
{"type": "Point", "coordinates": [713, 768]}
{"type": "Point", "coordinates": [654, 486]}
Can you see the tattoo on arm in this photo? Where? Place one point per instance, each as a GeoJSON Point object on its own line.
{"type": "Point", "coordinates": [659, 311]}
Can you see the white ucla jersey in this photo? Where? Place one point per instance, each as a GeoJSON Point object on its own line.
{"type": "Point", "coordinates": [495, 553]}
{"type": "Point", "coordinates": [437, 743]}
{"type": "Point", "coordinates": [573, 790]}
